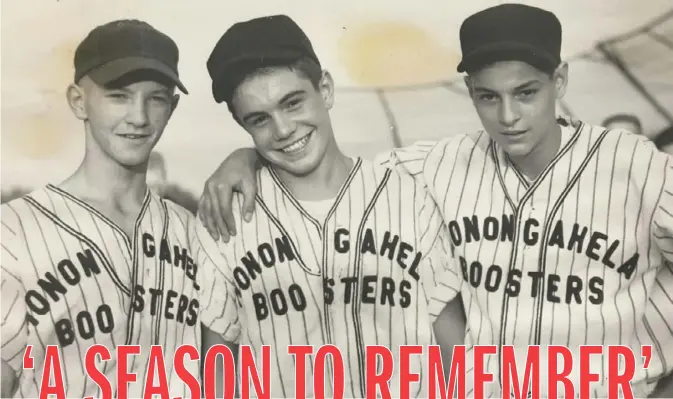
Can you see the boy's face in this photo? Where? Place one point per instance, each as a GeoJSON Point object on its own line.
{"type": "Point", "coordinates": [126, 122]}
{"type": "Point", "coordinates": [287, 117]}
{"type": "Point", "coordinates": [517, 103]}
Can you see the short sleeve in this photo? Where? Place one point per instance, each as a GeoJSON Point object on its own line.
{"type": "Point", "coordinates": [408, 160]}
{"type": "Point", "coordinates": [659, 312]}
{"type": "Point", "coordinates": [219, 301]}
{"type": "Point", "coordinates": [14, 329]}
{"type": "Point", "coordinates": [441, 279]}
{"type": "Point", "coordinates": [663, 214]}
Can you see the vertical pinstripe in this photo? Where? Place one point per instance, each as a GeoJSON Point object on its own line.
{"type": "Point", "coordinates": [604, 202]}
{"type": "Point", "coordinates": [50, 228]}
{"type": "Point", "coordinates": [373, 205]}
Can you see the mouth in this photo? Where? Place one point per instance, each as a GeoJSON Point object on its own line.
{"type": "Point", "coordinates": [135, 136]}
{"type": "Point", "coordinates": [514, 133]}
{"type": "Point", "coordinates": [298, 145]}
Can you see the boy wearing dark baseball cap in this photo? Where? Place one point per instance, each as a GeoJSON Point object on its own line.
{"type": "Point", "coordinates": [99, 258]}
{"type": "Point", "coordinates": [347, 250]}
{"type": "Point", "coordinates": [561, 234]}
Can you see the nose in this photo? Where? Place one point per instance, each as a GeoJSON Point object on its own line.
{"type": "Point", "coordinates": [137, 113]}
{"type": "Point", "coordinates": [509, 112]}
{"type": "Point", "coordinates": [285, 126]}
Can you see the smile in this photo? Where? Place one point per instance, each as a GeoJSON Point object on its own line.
{"type": "Point", "coordinates": [134, 136]}
{"type": "Point", "coordinates": [297, 145]}
{"type": "Point", "coordinates": [514, 133]}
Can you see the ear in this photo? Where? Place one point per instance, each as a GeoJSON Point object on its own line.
{"type": "Point", "coordinates": [561, 79]}
{"type": "Point", "coordinates": [326, 87]}
{"type": "Point", "coordinates": [75, 96]}
{"type": "Point", "coordinates": [468, 84]}
{"type": "Point", "coordinates": [174, 103]}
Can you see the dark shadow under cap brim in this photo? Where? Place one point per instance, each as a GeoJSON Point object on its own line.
{"type": "Point", "coordinates": [114, 70]}
{"type": "Point", "coordinates": [507, 51]}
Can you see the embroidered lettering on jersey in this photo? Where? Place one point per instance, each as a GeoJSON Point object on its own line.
{"type": "Point", "coordinates": [54, 288]}
{"type": "Point", "coordinates": [370, 288]}
{"type": "Point", "coordinates": [568, 289]}
{"type": "Point", "coordinates": [179, 258]}
{"type": "Point", "coordinates": [85, 323]}
{"type": "Point", "coordinates": [595, 245]}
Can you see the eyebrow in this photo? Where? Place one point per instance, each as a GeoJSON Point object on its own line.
{"type": "Point", "coordinates": [519, 87]}
{"type": "Point", "coordinates": [282, 100]}
{"type": "Point", "coordinates": [290, 95]}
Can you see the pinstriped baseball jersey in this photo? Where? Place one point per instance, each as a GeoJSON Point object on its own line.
{"type": "Point", "coordinates": [360, 277]}
{"type": "Point", "coordinates": [72, 278]}
{"type": "Point", "coordinates": [580, 256]}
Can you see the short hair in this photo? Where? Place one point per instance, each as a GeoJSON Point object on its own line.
{"type": "Point", "coordinates": [622, 117]}
{"type": "Point", "coordinates": [306, 66]}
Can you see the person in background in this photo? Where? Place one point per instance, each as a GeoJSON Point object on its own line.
{"type": "Point", "coordinates": [624, 121]}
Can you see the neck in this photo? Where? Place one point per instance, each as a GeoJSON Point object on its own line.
{"type": "Point", "coordinates": [322, 183]}
{"type": "Point", "coordinates": [101, 179]}
{"type": "Point", "coordinates": [533, 163]}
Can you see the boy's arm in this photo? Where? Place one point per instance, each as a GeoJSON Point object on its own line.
{"type": "Point", "coordinates": [659, 313]}
{"type": "Point", "coordinates": [14, 327]}
{"type": "Point", "coordinates": [407, 159]}
{"type": "Point", "coordinates": [218, 296]}
{"type": "Point", "coordinates": [210, 339]}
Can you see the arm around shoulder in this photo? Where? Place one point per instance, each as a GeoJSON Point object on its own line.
{"type": "Point", "coordinates": [218, 293]}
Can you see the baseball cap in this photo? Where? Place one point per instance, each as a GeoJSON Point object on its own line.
{"type": "Point", "coordinates": [246, 46]}
{"type": "Point", "coordinates": [115, 49]}
{"type": "Point", "coordinates": [510, 32]}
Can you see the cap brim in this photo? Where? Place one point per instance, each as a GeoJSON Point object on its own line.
{"type": "Point", "coordinates": [234, 70]}
{"type": "Point", "coordinates": [114, 70]}
{"type": "Point", "coordinates": [506, 51]}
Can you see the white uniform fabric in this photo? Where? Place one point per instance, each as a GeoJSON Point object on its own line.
{"type": "Point", "coordinates": [72, 278]}
{"type": "Point", "coordinates": [362, 276]}
{"type": "Point", "coordinates": [580, 256]}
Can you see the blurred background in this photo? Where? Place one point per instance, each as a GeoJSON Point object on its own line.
{"type": "Point", "coordinates": [394, 63]}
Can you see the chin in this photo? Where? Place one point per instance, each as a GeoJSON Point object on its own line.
{"type": "Point", "coordinates": [517, 149]}
{"type": "Point", "coordinates": [133, 161]}
{"type": "Point", "coordinates": [299, 167]}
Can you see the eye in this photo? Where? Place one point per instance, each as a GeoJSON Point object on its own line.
{"type": "Point", "coordinates": [116, 95]}
{"type": "Point", "coordinates": [293, 103]}
{"type": "Point", "coordinates": [487, 97]}
{"type": "Point", "coordinates": [258, 120]}
{"type": "Point", "coordinates": [159, 98]}
{"type": "Point", "coordinates": [527, 93]}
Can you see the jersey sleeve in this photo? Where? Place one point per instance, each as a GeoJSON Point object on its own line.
{"type": "Point", "coordinates": [659, 313]}
{"type": "Point", "coordinates": [408, 160]}
{"type": "Point", "coordinates": [663, 214]}
{"type": "Point", "coordinates": [14, 329]}
{"type": "Point", "coordinates": [219, 302]}
{"type": "Point", "coordinates": [440, 275]}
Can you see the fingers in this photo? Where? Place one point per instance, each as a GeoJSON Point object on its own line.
{"type": "Point", "coordinates": [218, 220]}
{"type": "Point", "coordinates": [225, 214]}
{"type": "Point", "coordinates": [205, 214]}
{"type": "Point", "coordinates": [249, 190]}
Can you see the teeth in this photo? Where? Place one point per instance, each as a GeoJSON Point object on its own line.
{"type": "Point", "coordinates": [296, 146]}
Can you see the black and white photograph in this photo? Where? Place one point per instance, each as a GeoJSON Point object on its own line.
{"type": "Point", "coordinates": [305, 199]}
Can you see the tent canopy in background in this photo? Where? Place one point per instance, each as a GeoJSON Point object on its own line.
{"type": "Point", "coordinates": [394, 65]}
{"type": "Point", "coordinates": [629, 73]}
